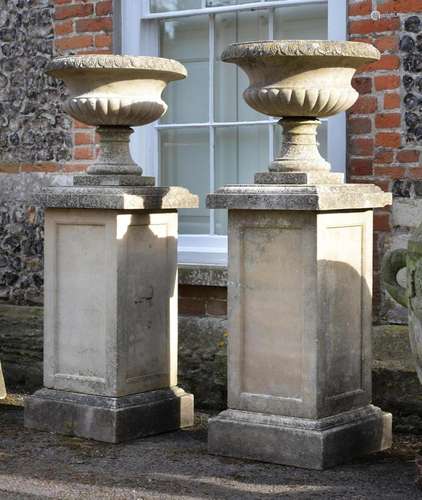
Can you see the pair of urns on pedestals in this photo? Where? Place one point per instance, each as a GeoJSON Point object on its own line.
{"type": "Point", "coordinates": [299, 297]}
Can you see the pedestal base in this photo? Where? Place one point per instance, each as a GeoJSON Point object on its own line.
{"type": "Point", "coordinates": [108, 419]}
{"type": "Point", "coordinates": [312, 444]}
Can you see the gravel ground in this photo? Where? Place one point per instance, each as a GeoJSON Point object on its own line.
{"type": "Point", "coordinates": [35, 465]}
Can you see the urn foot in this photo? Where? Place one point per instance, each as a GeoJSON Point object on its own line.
{"type": "Point", "coordinates": [299, 150]}
{"type": "Point", "coordinates": [114, 156]}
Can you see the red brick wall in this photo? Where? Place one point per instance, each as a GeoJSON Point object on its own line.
{"type": "Point", "coordinates": [377, 147]}
{"type": "Point", "coordinates": [82, 27]}
{"type": "Point", "coordinates": [202, 300]}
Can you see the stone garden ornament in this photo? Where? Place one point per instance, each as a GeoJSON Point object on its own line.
{"type": "Point", "coordinates": [299, 297]}
{"type": "Point", "coordinates": [411, 296]}
{"type": "Point", "coordinates": [114, 93]}
{"type": "Point", "coordinates": [300, 81]}
{"type": "Point", "coordinates": [110, 313]}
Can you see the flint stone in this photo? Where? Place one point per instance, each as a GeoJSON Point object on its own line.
{"type": "Point", "coordinates": [412, 24]}
{"type": "Point", "coordinates": [407, 44]}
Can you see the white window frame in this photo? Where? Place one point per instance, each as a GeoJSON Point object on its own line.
{"type": "Point", "coordinates": [139, 35]}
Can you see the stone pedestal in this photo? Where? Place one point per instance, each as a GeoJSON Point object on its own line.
{"type": "Point", "coordinates": [110, 327]}
{"type": "Point", "coordinates": [299, 298]}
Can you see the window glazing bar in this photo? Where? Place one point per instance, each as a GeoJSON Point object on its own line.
{"type": "Point", "coordinates": [215, 124]}
{"type": "Point", "coordinates": [220, 124]}
{"type": "Point", "coordinates": [211, 54]}
{"type": "Point", "coordinates": [229, 8]}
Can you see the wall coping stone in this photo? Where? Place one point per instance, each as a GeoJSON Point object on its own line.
{"type": "Point", "coordinates": [202, 275]}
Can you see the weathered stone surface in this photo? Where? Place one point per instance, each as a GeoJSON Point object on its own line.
{"type": "Point", "coordinates": [300, 81]}
{"type": "Point", "coordinates": [312, 178]}
{"type": "Point", "coordinates": [395, 384]}
{"type": "Point", "coordinates": [110, 327]}
{"type": "Point", "coordinates": [111, 320]}
{"type": "Point", "coordinates": [202, 275]}
{"type": "Point", "coordinates": [169, 69]}
{"type": "Point", "coordinates": [117, 198]}
{"type": "Point", "coordinates": [108, 419]}
{"type": "Point", "coordinates": [299, 321]}
{"type": "Point", "coordinates": [21, 345]}
{"type": "Point", "coordinates": [113, 180]}
{"type": "Point", "coordinates": [202, 353]}
{"type": "Point", "coordinates": [311, 444]}
{"type": "Point", "coordinates": [203, 360]}
{"type": "Point", "coordinates": [271, 50]}
{"type": "Point", "coordinates": [299, 197]}
{"type": "Point", "coordinates": [407, 212]}
{"type": "Point", "coordinates": [33, 126]}
{"type": "Point", "coordinates": [115, 92]}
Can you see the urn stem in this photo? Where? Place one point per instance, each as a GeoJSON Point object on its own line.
{"type": "Point", "coordinates": [299, 151]}
{"type": "Point", "coordinates": [114, 156]}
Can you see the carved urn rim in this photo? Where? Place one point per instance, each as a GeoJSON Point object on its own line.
{"type": "Point", "coordinates": [108, 62]}
{"type": "Point", "coordinates": [237, 52]}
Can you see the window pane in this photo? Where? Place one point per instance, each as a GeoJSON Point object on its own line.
{"type": "Point", "coordinates": [186, 39]}
{"type": "Point", "coordinates": [321, 138]}
{"type": "Point", "coordinates": [230, 82]}
{"type": "Point", "coordinates": [240, 152]}
{"type": "Point", "coordinates": [309, 22]}
{"type": "Point", "coordinates": [169, 5]}
{"type": "Point", "coordinates": [185, 162]}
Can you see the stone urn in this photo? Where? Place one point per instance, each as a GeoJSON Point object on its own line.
{"type": "Point", "coordinates": [411, 296]}
{"type": "Point", "coordinates": [110, 268]}
{"type": "Point", "coordinates": [300, 81]}
{"type": "Point", "coordinates": [299, 301]}
{"type": "Point", "coordinates": [114, 93]}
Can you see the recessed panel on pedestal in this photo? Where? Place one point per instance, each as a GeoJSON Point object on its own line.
{"type": "Point", "coordinates": [80, 333]}
{"type": "Point", "coordinates": [273, 321]}
{"type": "Point", "coordinates": [345, 297]}
{"type": "Point", "coordinates": [79, 300]}
{"type": "Point", "coordinates": [270, 321]}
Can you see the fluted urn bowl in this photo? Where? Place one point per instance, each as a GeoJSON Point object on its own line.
{"type": "Point", "coordinates": [116, 90]}
{"type": "Point", "coordinates": [113, 93]}
{"type": "Point", "coordinates": [300, 79]}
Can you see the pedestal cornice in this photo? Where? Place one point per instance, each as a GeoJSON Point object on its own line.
{"type": "Point", "coordinates": [299, 197]}
{"type": "Point", "coordinates": [117, 198]}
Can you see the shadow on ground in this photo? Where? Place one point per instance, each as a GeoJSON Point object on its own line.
{"type": "Point", "coordinates": [176, 465]}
